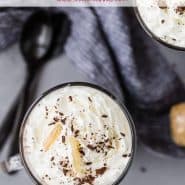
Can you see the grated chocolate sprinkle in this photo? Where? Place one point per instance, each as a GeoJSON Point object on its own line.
{"type": "Point", "coordinates": [180, 10]}
{"type": "Point", "coordinates": [101, 171]}
{"type": "Point", "coordinates": [61, 114]}
{"type": "Point", "coordinates": [89, 99]}
{"type": "Point", "coordinates": [124, 155]}
{"type": "Point", "coordinates": [63, 139]}
{"type": "Point", "coordinates": [122, 134]}
{"type": "Point", "coordinates": [70, 98]}
{"type": "Point", "coordinates": [88, 163]}
{"type": "Point", "coordinates": [76, 133]}
{"type": "Point", "coordinates": [52, 158]}
{"type": "Point", "coordinates": [64, 121]}
{"type": "Point", "coordinates": [81, 151]}
{"type": "Point", "coordinates": [65, 171]}
{"type": "Point", "coordinates": [104, 116]}
{"type": "Point", "coordinates": [91, 147]}
{"type": "Point", "coordinates": [56, 119]}
{"type": "Point", "coordinates": [72, 128]}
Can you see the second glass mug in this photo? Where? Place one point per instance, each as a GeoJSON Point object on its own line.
{"type": "Point", "coordinates": [18, 162]}
{"type": "Point", "coordinates": [150, 32]}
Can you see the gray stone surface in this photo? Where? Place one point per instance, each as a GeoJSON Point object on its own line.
{"type": "Point", "coordinates": [147, 169]}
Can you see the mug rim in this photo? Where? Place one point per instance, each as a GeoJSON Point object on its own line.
{"type": "Point", "coordinates": [85, 84]}
{"type": "Point", "coordinates": [152, 35]}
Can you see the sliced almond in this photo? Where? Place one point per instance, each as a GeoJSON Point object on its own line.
{"type": "Point", "coordinates": [77, 159]}
{"type": "Point", "coordinates": [52, 137]}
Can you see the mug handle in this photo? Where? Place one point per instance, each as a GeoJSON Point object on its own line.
{"type": "Point", "coordinates": [12, 164]}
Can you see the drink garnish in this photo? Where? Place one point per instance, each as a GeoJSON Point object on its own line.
{"type": "Point", "coordinates": [54, 134]}
{"type": "Point", "coordinates": [76, 155]}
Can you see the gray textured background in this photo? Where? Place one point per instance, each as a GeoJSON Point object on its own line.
{"type": "Point", "coordinates": [159, 170]}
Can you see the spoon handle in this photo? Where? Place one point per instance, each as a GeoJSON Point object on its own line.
{"type": "Point", "coordinates": [7, 123]}
{"type": "Point", "coordinates": [24, 102]}
{"type": "Point", "coordinates": [11, 164]}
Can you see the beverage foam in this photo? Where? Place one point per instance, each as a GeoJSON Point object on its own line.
{"type": "Point", "coordinates": [77, 135]}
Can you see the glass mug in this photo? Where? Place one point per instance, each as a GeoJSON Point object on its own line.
{"type": "Point", "coordinates": [18, 162]}
{"type": "Point", "coordinates": [151, 33]}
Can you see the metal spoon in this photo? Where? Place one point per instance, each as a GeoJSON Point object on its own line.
{"type": "Point", "coordinates": [38, 43]}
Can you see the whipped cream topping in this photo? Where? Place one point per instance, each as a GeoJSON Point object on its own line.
{"type": "Point", "coordinates": [165, 19]}
{"type": "Point", "coordinates": [77, 135]}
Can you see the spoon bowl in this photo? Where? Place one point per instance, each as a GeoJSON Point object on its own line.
{"type": "Point", "coordinates": [36, 39]}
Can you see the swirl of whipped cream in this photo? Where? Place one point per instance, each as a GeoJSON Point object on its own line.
{"type": "Point", "coordinates": [77, 135]}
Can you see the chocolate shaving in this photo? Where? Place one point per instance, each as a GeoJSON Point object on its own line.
{"type": "Point", "coordinates": [76, 133]}
{"type": "Point", "coordinates": [81, 151]}
{"type": "Point", "coordinates": [180, 10]}
{"type": "Point", "coordinates": [64, 121]}
{"type": "Point", "coordinates": [85, 180]}
{"type": "Point", "coordinates": [122, 134]}
{"type": "Point", "coordinates": [162, 21]}
{"type": "Point", "coordinates": [88, 163]}
{"type": "Point", "coordinates": [65, 165]}
{"type": "Point", "coordinates": [101, 171]}
{"type": "Point", "coordinates": [101, 143]}
{"type": "Point", "coordinates": [104, 116]}
{"type": "Point", "coordinates": [63, 139]}
{"type": "Point", "coordinates": [65, 171]}
{"type": "Point", "coordinates": [91, 147]}
{"type": "Point", "coordinates": [61, 114]}
{"type": "Point", "coordinates": [56, 119]}
{"type": "Point", "coordinates": [70, 98]}
{"type": "Point", "coordinates": [72, 128]}
{"type": "Point", "coordinates": [89, 99]}
{"type": "Point", "coordinates": [124, 155]}
{"type": "Point", "coordinates": [52, 159]}
{"type": "Point", "coordinates": [110, 147]}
